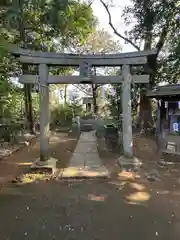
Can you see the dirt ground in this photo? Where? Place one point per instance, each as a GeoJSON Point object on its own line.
{"type": "Point", "coordinates": [165, 178]}
{"type": "Point", "coordinates": [61, 148]}
{"type": "Point", "coordinates": [127, 206]}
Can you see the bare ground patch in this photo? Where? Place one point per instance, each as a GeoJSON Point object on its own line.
{"type": "Point", "coordinates": [156, 177]}
{"type": "Point", "coordinates": [16, 168]}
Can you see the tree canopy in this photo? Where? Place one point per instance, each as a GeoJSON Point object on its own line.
{"type": "Point", "coordinates": [46, 25]}
{"type": "Point", "coordinates": [152, 24]}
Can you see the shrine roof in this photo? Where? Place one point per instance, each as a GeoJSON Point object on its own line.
{"type": "Point", "coordinates": [167, 91]}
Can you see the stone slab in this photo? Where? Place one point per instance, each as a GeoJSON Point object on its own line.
{"type": "Point", "coordinates": [96, 173]}
{"type": "Point", "coordinates": [92, 159]}
{"type": "Point", "coordinates": [88, 136]}
{"type": "Point", "coordinates": [77, 159]}
{"type": "Point", "coordinates": [71, 172]}
{"type": "Point", "coordinates": [99, 169]}
{"type": "Point", "coordinates": [86, 147]}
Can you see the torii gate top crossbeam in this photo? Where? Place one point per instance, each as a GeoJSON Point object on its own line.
{"type": "Point", "coordinates": [59, 59]}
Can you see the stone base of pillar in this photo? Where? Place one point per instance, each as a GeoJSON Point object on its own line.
{"type": "Point", "coordinates": [49, 164]}
{"type": "Point", "coordinates": [129, 163]}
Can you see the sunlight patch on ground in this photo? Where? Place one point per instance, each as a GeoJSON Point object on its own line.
{"type": "Point", "coordinates": [90, 173]}
{"type": "Point", "coordinates": [34, 177]}
{"type": "Point", "coordinates": [124, 175]}
{"type": "Point", "coordinates": [137, 186]}
{"type": "Point", "coordinates": [82, 172]}
{"type": "Point", "coordinates": [58, 140]}
{"type": "Point", "coordinates": [19, 164]}
{"type": "Point", "coordinates": [24, 164]}
{"type": "Point", "coordinates": [138, 197]}
{"type": "Point", "coordinates": [163, 192]}
{"type": "Point", "coordinates": [70, 172]}
{"type": "Point", "coordinates": [118, 183]}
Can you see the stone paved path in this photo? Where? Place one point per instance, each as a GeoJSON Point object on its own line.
{"type": "Point", "coordinates": [85, 161]}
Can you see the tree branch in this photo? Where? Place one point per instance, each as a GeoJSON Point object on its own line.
{"type": "Point", "coordinates": [82, 90]}
{"type": "Point", "coordinates": [162, 39]}
{"type": "Point", "coordinates": [167, 24]}
{"type": "Point", "coordinates": [114, 29]}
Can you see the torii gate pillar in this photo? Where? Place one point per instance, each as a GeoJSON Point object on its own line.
{"type": "Point", "coordinates": [44, 112]}
{"type": "Point", "coordinates": [126, 111]}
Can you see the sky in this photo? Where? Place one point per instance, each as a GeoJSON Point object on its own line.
{"type": "Point", "coordinates": [117, 20]}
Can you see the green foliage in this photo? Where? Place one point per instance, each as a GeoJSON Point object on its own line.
{"type": "Point", "coordinates": [3, 46]}
{"type": "Point", "coordinates": [47, 25]}
{"type": "Point", "coordinates": [156, 26]}
{"type": "Point", "coordinates": [114, 105]}
{"type": "Point", "coordinates": [99, 41]}
{"type": "Point", "coordinates": [11, 112]}
{"type": "Point", "coordinates": [35, 103]}
{"type": "Point", "coordinates": [152, 16]}
{"type": "Point", "coordinates": [76, 107]}
{"type": "Point", "coordinates": [60, 115]}
{"type": "Point", "coordinates": [45, 21]}
{"type": "Point", "coordinates": [169, 67]}
{"type": "Point", "coordinates": [153, 24]}
{"type": "Point", "coordinates": [63, 114]}
{"type": "Point", "coordinates": [13, 107]}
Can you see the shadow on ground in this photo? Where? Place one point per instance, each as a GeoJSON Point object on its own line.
{"type": "Point", "coordinates": [127, 206]}
{"type": "Point", "coordinates": [61, 148]}
{"type": "Point", "coordinates": [86, 210]}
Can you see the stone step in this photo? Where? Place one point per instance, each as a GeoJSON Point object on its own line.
{"type": "Point", "coordinates": [71, 172]}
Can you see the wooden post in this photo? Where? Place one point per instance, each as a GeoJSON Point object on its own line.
{"type": "Point", "coordinates": [126, 110]}
{"type": "Point", "coordinates": [158, 124]}
{"type": "Point", "coordinates": [158, 116]}
{"type": "Point", "coordinates": [44, 112]}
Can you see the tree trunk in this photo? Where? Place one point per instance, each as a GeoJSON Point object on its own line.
{"type": "Point", "coordinates": [65, 94]}
{"type": "Point", "coordinates": [145, 106]}
{"type": "Point", "coordinates": [27, 87]}
{"type": "Point", "coordinates": [94, 93]}
{"type": "Point", "coordinates": [28, 108]}
{"type": "Point", "coordinates": [145, 110]}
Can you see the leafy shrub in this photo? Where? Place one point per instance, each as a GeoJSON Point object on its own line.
{"type": "Point", "coordinates": [61, 115]}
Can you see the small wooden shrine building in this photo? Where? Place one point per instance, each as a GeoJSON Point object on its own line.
{"type": "Point", "coordinates": [168, 116]}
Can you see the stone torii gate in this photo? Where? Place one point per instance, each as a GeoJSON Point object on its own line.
{"type": "Point", "coordinates": [46, 59]}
